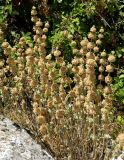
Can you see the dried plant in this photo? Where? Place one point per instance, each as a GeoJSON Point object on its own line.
{"type": "Point", "coordinates": [72, 101]}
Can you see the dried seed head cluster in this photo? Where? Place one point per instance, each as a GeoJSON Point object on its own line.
{"type": "Point", "coordinates": [69, 101]}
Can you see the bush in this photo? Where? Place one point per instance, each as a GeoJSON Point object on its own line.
{"type": "Point", "coordinates": [70, 102]}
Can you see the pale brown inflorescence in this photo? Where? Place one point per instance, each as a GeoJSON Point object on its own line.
{"type": "Point", "coordinates": [71, 103]}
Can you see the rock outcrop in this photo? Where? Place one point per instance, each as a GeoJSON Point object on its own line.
{"type": "Point", "coordinates": [17, 144]}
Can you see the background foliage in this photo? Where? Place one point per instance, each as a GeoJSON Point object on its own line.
{"type": "Point", "coordinates": [74, 16]}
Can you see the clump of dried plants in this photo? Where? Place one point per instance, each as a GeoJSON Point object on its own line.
{"type": "Point", "coordinates": [70, 103]}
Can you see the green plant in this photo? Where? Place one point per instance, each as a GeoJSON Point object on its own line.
{"type": "Point", "coordinates": [4, 11]}
{"type": "Point", "coordinates": [119, 86]}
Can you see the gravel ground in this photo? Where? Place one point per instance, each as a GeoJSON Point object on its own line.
{"type": "Point", "coordinates": [17, 144]}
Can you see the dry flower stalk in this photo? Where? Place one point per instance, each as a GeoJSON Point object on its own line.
{"type": "Point", "coordinates": [72, 113]}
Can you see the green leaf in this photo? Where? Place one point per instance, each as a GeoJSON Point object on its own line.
{"type": "Point", "coordinates": [8, 8]}
{"type": "Point", "coordinates": [122, 14]}
{"type": "Point", "coordinates": [1, 19]}
{"type": "Point", "coordinates": [121, 92]}
{"type": "Point", "coordinates": [122, 49]}
{"type": "Point", "coordinates": [120, 119]}
{"type": "Point", "coordinates": [59, 1]}
{"type": "Point", "coordinates": [119, 53]}
{"type": "Point", "coordinates": [121, 76]}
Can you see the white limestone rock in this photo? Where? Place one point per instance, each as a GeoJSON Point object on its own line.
{"type": "Point", "coordinates": [17, 144]}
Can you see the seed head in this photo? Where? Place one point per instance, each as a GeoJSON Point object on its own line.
{"type": "Point", "coordinates": [111, 58]}
{"type": "Point", "coordinates": [73, 43]}
{"type": "Point", "coordinates": [14, 91]}
{"type": "Point", "coordinates": [1, 64]}
{"type": "Point", "coordinates": [50, 104]}
{"type": "Point", "coordinates": [120, 139]}
{"type": "Point", "coordinates": [89, 45]}
{"type": "Point", "coordinates": [104, 110]}
{"type": "Point", "coordinates": [33, 12]}
{"type": "Point", "coordinates": [75, 61]}
{"type": "Point", "coordinates": [96, 49]}
{"type": "Point", "coordinates": [100, 36]}
{"type": "Point", "coordinates": [1, 32]}
{"type": "Point", "coordinates": [46, 138]}
{"type": "Point", "coordinates": [101, 69]}
{"type": "Point", "coordinates": [81, 70]}
{"type": "Point", "coordinates": [75, 51]}
{"type": "Point", "coordinates": [70, 37]}
{"type": "Point", "coordinates": [102, 61]}
{"type": "Point", "coordinates": [91, 35]}
{"type": "Point", "coordinates": [44, 129]}
{"type": "Point", "coordinates": [5, 44]}
{"type": "Point", "coordinates": [90, 55]}
{"type": "Point", "coordinates": [107, 90]}
{"type": "Point", "coordinates": [101, 77]}
{"type": "Point", "coordinates": [101, 30]}
{"type": "Point", "coordinates": [39, 31]}
{"type": "Point", "coordinates": [108, 79]}
{"type": "Point", "coordinates": [29, 51]}
{"type": "Point", "coordinates": [43, 111]}
{"type": "Point", "coordinates": [48, 57]}
{"type": "Point", "coordinates": [77, 106]}
{"type": "Point", "coordinates": [96, 58]}
{"type": "Point", "coordinates": [44, 37]}
{"type": "Point", "coordinates": [91, 62]}
{"type": "Point", "coordinates": [34, 19]}
{"type": "Point", "coordinates": [109, 68]}
{"type": "Point", "coordinates": [47, 25]}
{"type": "Point", "coordinates": [41, 120]}
{"type": "Point", "coordinates": [103, 54]}
{"type": "Point", "coordinates": [93, 29]}
{"type": "Point", "coordinates": [81, 51]}
{"type": "Point", "coordinates": [84, 42]}
{"type": "Point", "coordinates": [65, 33]}
{"type": "Point", "coordinates": [45, 30]}
{"type": "Point", "coordinates": [33, 7]}
{"type": "Point", "coordinates": [60, 113]}
{"type": "Point", "coordinates": [72, 93]}
{"type": "Point", "coordinates": [57, 53]}
{"type": "Point", "coordinates": [98, 42]}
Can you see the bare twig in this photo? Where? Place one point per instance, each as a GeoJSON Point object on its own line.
{"type": "Point", "coordinates": [103, 19]}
